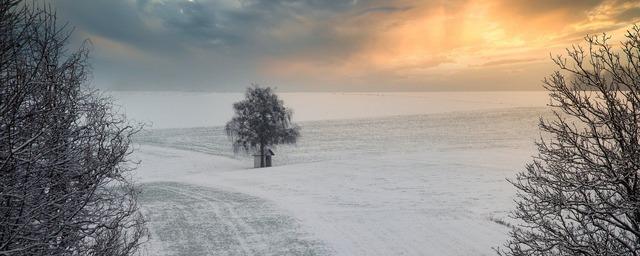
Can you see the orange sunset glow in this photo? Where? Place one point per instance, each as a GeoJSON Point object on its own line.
{"type": "Point", "coordinates": [344, 46]}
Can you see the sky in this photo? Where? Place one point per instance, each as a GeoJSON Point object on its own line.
{"type": "Point", "coordinates": [350, 45]}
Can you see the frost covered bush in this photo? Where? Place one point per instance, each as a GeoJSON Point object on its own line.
{"type": "Point", "coordinates": [261, 120]}
{"type": "Point", "coordinates": [63, 171]}
{"type": "Point", "coordinates": [581, 194]}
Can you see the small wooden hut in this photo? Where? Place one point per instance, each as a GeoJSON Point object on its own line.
{"type": "Point", "coordinates": [264, 159]}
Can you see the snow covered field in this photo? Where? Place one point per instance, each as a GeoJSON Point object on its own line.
{"type": "Point", "coordinates": [429, 184]}
{"type": "Point", "coordinates": [197, 109]}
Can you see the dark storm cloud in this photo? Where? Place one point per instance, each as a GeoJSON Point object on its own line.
{"type": "Point", "coordinates": [185, 37]}
{"type": "Point", "coordinates": [107, 18]}
{"type": "Point", "coordinates": [184, 22]}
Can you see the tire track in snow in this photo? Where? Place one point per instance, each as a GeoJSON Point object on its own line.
{"type": "Point", "coordinates": [239, 226]}
{"type": "Point", "coordinates": [215, 207]}
{"type": "Point", "coordinates": [191, 220]}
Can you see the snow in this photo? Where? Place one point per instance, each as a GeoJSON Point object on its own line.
{"type": "Point", "coordinates": [413, 204]}
{"type": "Point", "coordinates": [410, 185]}
{"type": "Point", "coordinates": [193, 220]}
{"type": "Point", "coordinates": [197, 109]}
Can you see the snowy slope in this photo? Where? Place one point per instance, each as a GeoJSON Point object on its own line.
{"type": "Point", "coordinates": [412, 185]}
{"type": "Point", "coordinates": [420, 204]}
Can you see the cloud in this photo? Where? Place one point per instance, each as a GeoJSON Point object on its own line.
{"type": "Point", "coordinates": [384, 9]}
{"type": "Point", "coordinates": [506, 62]}
{"type": "Point", "coordinates": [304, 44]}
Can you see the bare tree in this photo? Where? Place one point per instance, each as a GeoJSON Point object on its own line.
{"type": "Point", "coordinates": [261, 120]}
{"type": "Point", "coordinates": [63, 171]}
{"type": "Point", "coordinates": [581, 194]}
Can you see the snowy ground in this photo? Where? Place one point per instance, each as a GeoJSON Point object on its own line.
{"type": "Point", "coordinates": [162, 110]}
{"type": "Point", "coordinates": [194, 220]}
{"type": "Point", "coordinates": [435, 188]}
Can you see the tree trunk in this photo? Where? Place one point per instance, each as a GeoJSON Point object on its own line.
{"type": "Point", "coordinates": [262, 155]}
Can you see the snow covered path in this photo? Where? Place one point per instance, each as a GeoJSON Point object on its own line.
{"type": "Point", "coordinates": [431, 203]}
{"type": "Point", "coordinates": [192, 220]}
